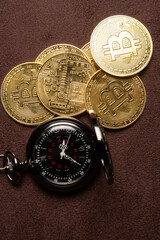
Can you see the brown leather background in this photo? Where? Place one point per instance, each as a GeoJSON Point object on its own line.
{"type": "Point", "coordinates": [127, 210]}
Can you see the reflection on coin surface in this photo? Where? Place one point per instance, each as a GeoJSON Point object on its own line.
{"type": "Point", "coordinates": [118, 102]}
{"type": "Point", "coordinates": [87, 50]}
{"type": "Point", "coordinates": [62, 82]}
{"type": "Point", "coordinates": [19, 95]}
{"type": "Point", "coordinates": [121, 45]}
{"type": "Point", "coordinates": [59, 49]}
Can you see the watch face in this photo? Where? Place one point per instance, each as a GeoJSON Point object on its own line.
{"type": "Point", "coordinates": [61, 152]}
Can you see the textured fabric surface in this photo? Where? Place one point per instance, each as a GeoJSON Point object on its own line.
{"type": "Point", "coordinates": [129, 209]}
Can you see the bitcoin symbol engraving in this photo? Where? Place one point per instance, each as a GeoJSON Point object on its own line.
{"type": "Point", "coordinates": [114, 96]}
{"type": "Point", "coordinates": [121, 45]}
{"type": "Point", "coordinates": [26, 95]}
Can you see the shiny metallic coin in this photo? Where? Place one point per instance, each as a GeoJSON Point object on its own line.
{"type": "Point", "coordinates": [61, 83]}
{"type": "Point", "coordinates": [117, 102]}
{"type": "Point", "coordinates": [19, 95]}
{"type": "Point", "coordinates": [121, 45]}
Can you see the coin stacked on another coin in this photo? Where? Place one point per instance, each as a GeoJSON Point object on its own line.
{"type": "Point", "coordinates": [121, 46]}
{"type": "Point", "coordinates": [19, 95]}
{"type": "Point", "coordinates": [100, 77]}
{"type": "Point", "coordinates": [55, 83]}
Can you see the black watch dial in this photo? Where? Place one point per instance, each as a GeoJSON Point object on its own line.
{"type": "Point", "coordinates": [62, 154]}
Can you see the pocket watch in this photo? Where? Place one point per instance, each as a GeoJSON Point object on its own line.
{"type": "Point", "coordinates": [63, 155]}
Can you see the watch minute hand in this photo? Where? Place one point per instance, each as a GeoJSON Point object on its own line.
{"type": "Point", "coordinates": [71, 159]}
{"type": "Point", "coordinates": [68, 140]}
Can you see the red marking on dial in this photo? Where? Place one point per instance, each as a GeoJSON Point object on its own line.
{"type": "Point", "coordinates": [49, 157]}
{"type": "Point", "coordinates": [53, 162]}
{"type": "Point", "coordinates": [59, 140]}
{"type": "Point", "coordinates": [71, 144]}
{"type": "Point", "coordinates": [66, 166]}
{"type": "Point", "coordinates": [66, 141]}
{"type": "Point", "coordinates": [71, 162]}
{"type": "Point", "coordinates": [59, 166]}
{"type": "Point", "coordinates": [75, 150]}
{"type": "Point", "coordinates": [75, 157]}
{"type": "Point", "coordinates": [53, 144]}
{"type": "Point", "coordinates": [49, 150]}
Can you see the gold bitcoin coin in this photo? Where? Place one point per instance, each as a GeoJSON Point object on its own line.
{"type": "Point", "coordinates": [118, 102]}
{"type": "Point", "coordinates": [19, 95]}
{"type": "Point", "coordinates": [61, 83]}
{"type": "Point", "coordinates": [87, 50]}
{"type": "Point", "coordinates": [121, 45]}
{"type": "Point", "coordinates": [59, 49]}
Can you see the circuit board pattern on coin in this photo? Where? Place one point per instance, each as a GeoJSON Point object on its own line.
{"type": "Point", "coordinates": [118, 102]}
{"type": "Point", "coordinates": [61, 83]}
{"type": "Point", "coordinates": [59, 49]}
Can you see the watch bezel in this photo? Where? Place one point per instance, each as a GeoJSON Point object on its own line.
{"type": "Point", "coordinates": [50, 184]}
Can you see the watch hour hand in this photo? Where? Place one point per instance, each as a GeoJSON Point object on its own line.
{"type": "Point", "coordinates": [62, 153]}
{"type": "Point", "coordinates": [63, 147]}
